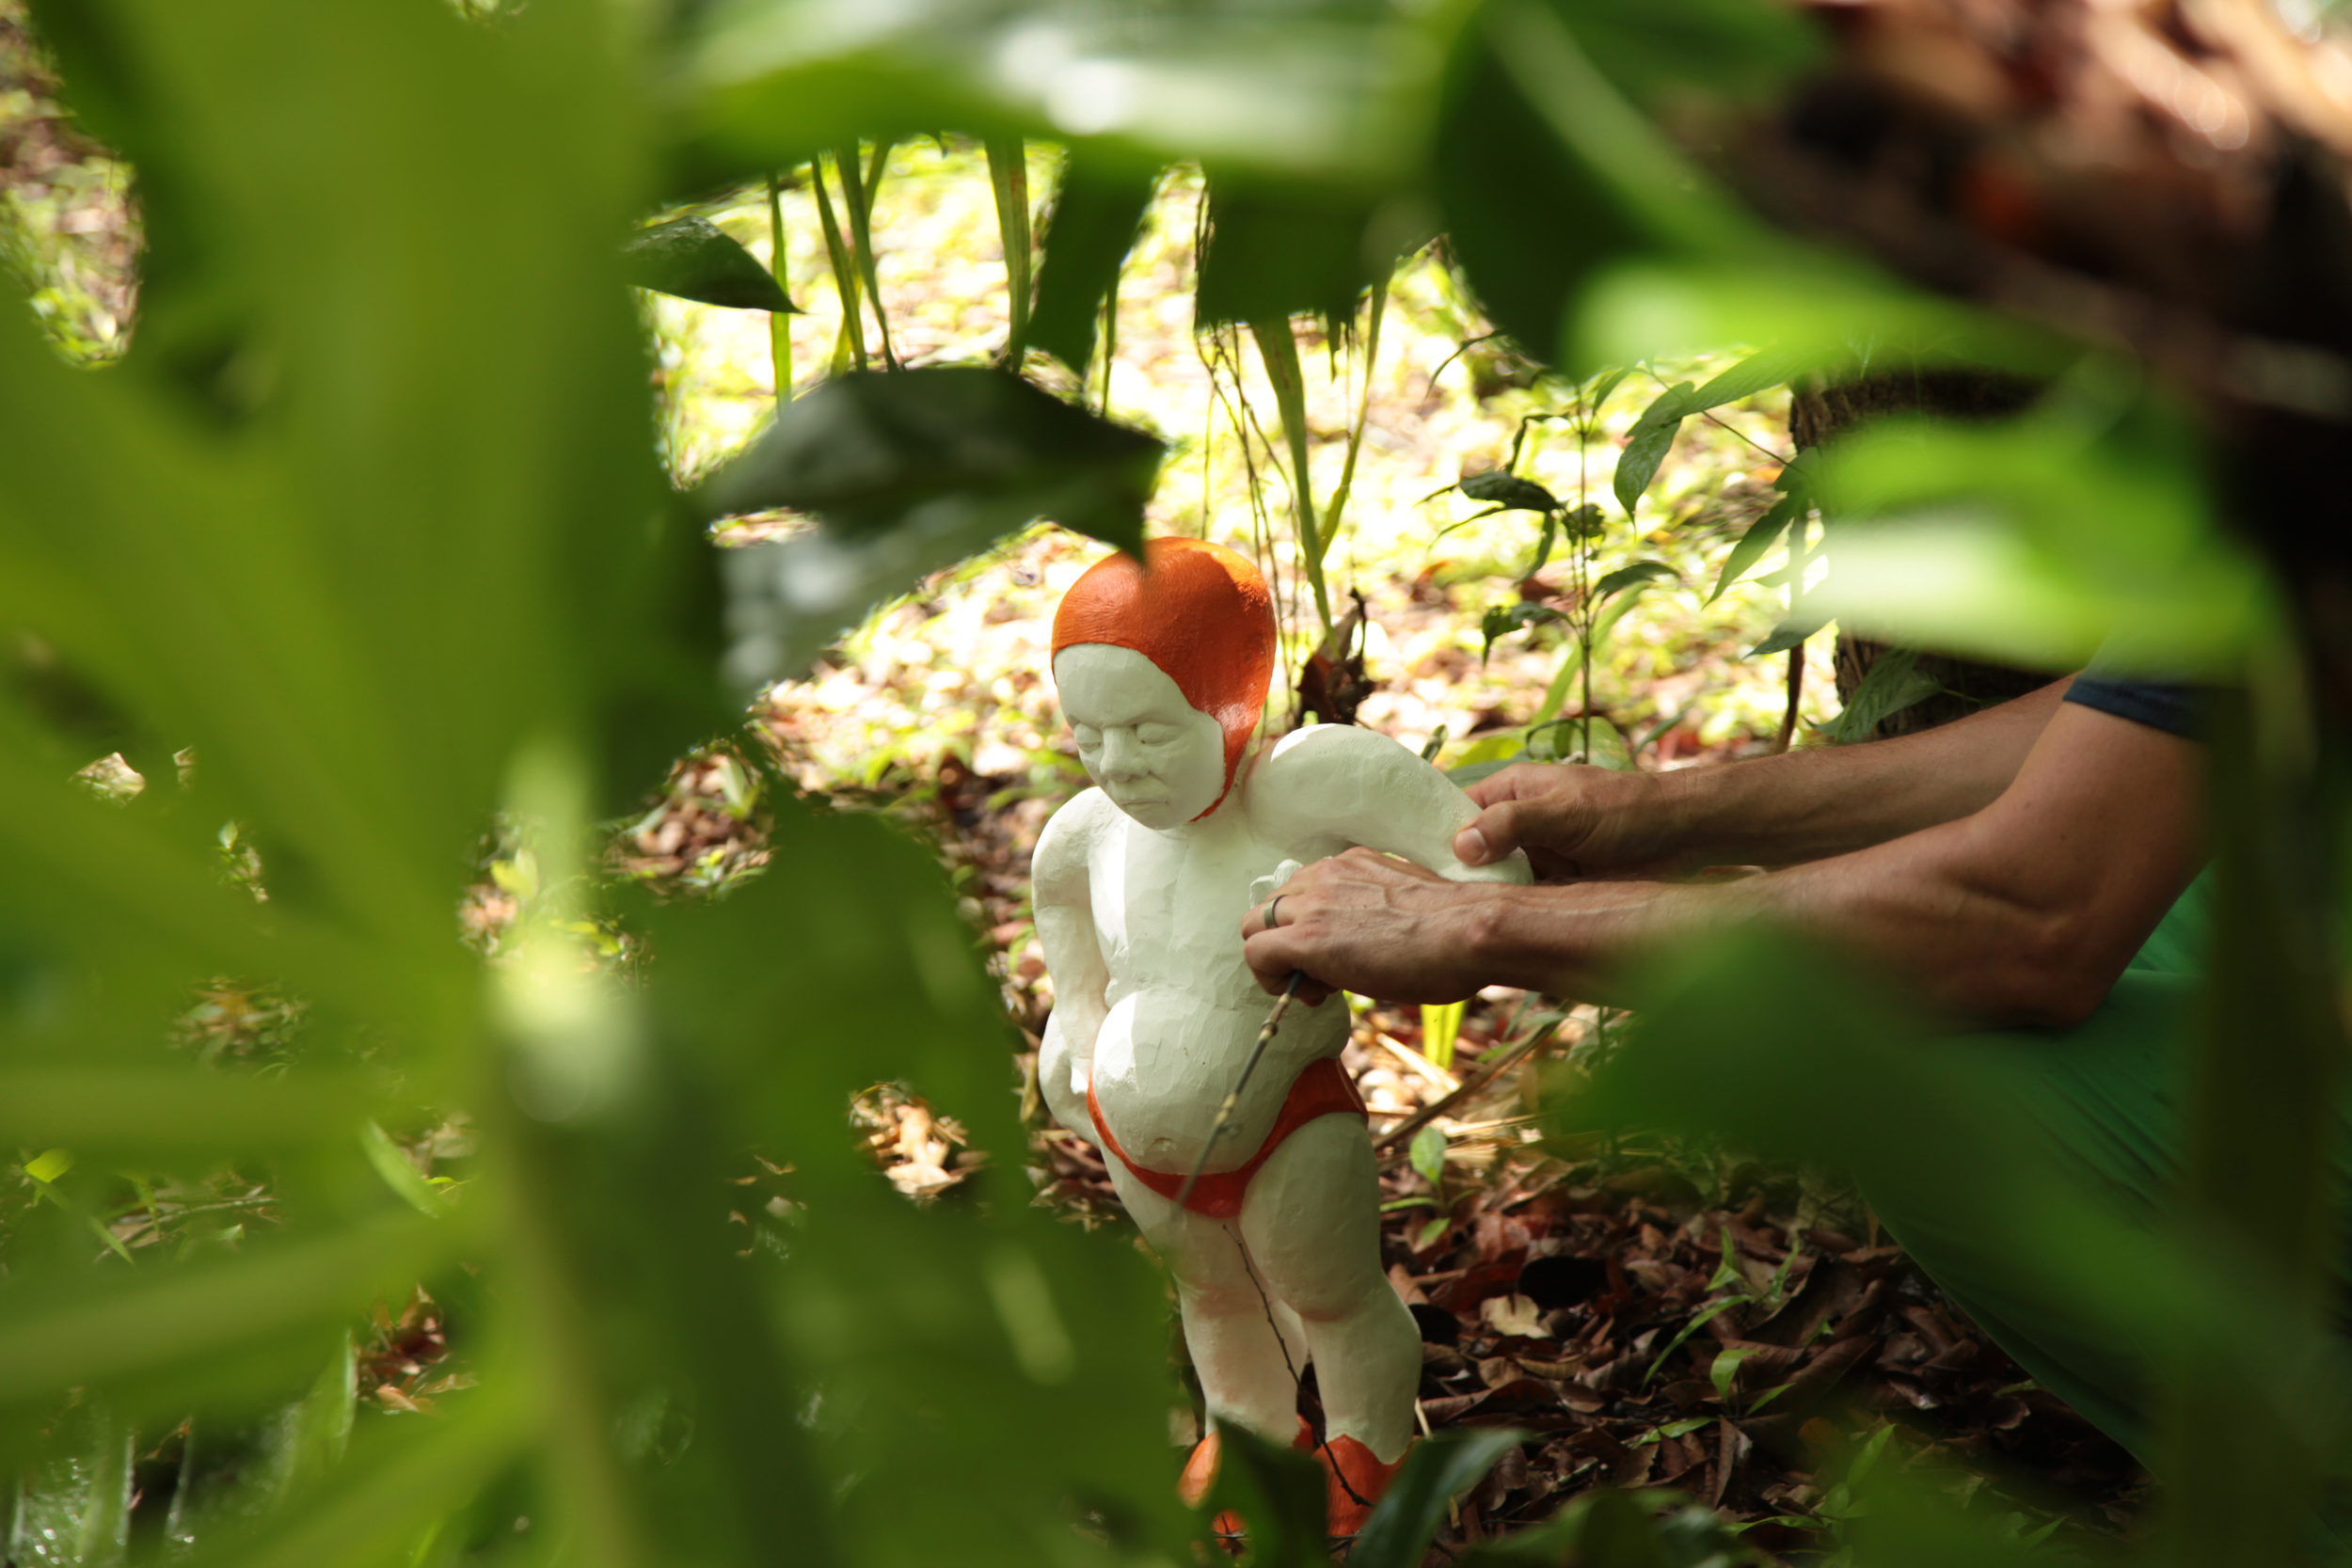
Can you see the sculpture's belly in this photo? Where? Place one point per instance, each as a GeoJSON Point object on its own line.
{"type": "Point", "coordinates": [1166, 1058]}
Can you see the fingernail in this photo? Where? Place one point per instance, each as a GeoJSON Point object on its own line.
{"type": "Point", "coordinates": [1470, 846]}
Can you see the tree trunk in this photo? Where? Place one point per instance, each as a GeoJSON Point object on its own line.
{"type": "Point", "coordinates": [1817, 415]}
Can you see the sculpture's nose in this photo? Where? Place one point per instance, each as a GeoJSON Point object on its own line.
{"type": "Point", "coordinates": [1122, 757]}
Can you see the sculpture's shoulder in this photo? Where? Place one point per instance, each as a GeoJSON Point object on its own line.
{"type": "Point", "coordinates": [1328, 772]}
{"type": "Point", "coordinates": [1322, 754]}
{"type": "Point", "coordinates": [1067, 846]}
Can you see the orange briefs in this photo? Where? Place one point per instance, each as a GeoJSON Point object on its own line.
{"type": "Point", "coordinates": [1322, 1089]}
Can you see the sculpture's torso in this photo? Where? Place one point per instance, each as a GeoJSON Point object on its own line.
{"type": "Point", "coordinates": [1183, 1009]}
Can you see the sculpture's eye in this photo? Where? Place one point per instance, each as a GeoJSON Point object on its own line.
{"type": "Point", "coordinates": [1157, 734]}
{"type": "Point", "coordinates": [1089, 737]}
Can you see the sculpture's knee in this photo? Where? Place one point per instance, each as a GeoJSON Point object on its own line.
{"type": "Point", "coordinates": [1219, 1298]}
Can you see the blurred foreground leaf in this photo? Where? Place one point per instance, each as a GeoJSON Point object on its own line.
{"type": "Point", "coordinates": [910, 471]}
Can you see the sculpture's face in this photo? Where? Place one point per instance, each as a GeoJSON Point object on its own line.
{"type": "Point", "coordinates": [1160, 759]}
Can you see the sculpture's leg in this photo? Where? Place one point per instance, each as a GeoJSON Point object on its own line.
{"type": "Point", "coordinates": [1312, 1225]}
{"type": "Point", "coordinates": [1243, 1369]}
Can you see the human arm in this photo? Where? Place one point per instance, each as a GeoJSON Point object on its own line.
{"type": "Point", "coordinates": [1799, 806]}
{"type": "Point", "coordinates": [1061, 895]}
{"type": "Point", "coordinates": [2023, 911]}
{"type": "Point", "coordinates": [1339, 784]}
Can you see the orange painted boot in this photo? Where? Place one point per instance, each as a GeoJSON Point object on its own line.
{"type": "Point", "coordinates": [1358, 1481]}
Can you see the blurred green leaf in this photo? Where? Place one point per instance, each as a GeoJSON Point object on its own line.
{"type": "Point", "coordinates": [1509, 492]}
{"type": "Point", "coordinates": [1286, 249]}
{"type": "Point", "coordinates": [911, 471]}
{"type": "Point", "coordinates": [1097, 213]}
{"type": "Point", "coordinates": [1330, 89]}
{"type": "Point", "coordinates": [2039, 541]}
{"type": "Point", "coordinates": [116, 1330]}
{"type": "Point", "coordinates": [1279, 1495]}
{"type": "Point", "coordinates": [169, 1114]}
{"type": "Point", "coordinates": [691, 258]}
{"type": "Point", "coordinates": [366, 1513]}
{"type": "Point", "coordinates": [1626, 576]}
{"type": "Point", "coordinates": [1437, 1470]}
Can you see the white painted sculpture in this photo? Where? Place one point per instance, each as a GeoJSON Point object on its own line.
{"type": "Point", "coordinates": [1140, 887]}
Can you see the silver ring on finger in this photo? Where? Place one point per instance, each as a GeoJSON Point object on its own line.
{"type": "Point", "coordinates": [1273, 904]}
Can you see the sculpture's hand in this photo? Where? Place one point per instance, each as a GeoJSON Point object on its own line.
{"type": "Point", "coordinates": [1576, 823]}
{"type": "Point", "coordinates": [1272, 882]}
{"type": "Point", "coordinates": [1372, 924]}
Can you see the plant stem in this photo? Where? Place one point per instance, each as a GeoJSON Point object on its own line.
{"type": "Point", "coordinates": [779, 323]}
{"type": "Point", "coordinates": [1009, 172]}
{"type": "Point", "coordinates": [1338, 509]}
{"type": "Point", "coordinates": [845, 280]}
{"type": "Point", "coordinates": [1797, 553]}
{"type": "Point", "coordinates": [858, 190]}
{"type": "Point", "coordinates": [1279, 351]}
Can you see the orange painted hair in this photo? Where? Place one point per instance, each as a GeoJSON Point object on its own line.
{"type": "Point", "coordinates": [1198, 612]}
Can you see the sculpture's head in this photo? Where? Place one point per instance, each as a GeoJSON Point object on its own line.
{"type": "Point", "coordinates": [1162, 673]}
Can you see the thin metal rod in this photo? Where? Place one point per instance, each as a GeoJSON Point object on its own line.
{"type": "Point", "coordinates": [1225, 1112]}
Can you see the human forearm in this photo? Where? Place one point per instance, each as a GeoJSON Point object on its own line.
{"type": "Point", "coordinates": [1806, 805]}
{"type": "Point", "coordinates": [2021, 912]}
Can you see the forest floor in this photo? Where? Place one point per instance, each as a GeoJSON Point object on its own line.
{"type": "Point", "coordinates": [1652, 1313]}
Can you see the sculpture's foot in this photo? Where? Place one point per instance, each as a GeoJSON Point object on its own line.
{"type": "Point", "coordinates": [1358, 1481]}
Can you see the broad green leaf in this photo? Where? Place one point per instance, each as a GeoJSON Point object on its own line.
{"type": "Point", "coordinates": [691, 258]}
{"type": "Point", "coordinates": [1646, 444]}
{"type": "Point", "coordinates": [1792, 631]}
{"type": "Point", "coordinates": [1626, 576]}
{"type": "Point", "coordinates": [1761, 535]}
{"type": "Point", "coordinates": [1097, 213]}
{"type": "Point", "coordinates": [1438, 1469]}
{"type": "Point", "coordinates": [1427, 1153]}
{"type": "Point", "coordinates": [1499, 621]}
{"type": "Point", "coordinates": [1894, 683]}
{"type": "Point", "coordinates": [1509, 492]}
{"type": "Point", "coordinates": [1758, 373]}
{"type": "Point", "coordinates": [911, 471]}
{"type": "Point", "coordinates": [1726, 1369]}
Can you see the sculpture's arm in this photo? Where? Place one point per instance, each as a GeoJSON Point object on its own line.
{"type": "Point", "coordinates": [1357, 787]}
{"type": "Point", "coordinates": [1062, 897]}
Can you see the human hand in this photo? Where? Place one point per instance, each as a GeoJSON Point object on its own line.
{"type": "Point", "coordinates": [1375, 924]}
{"type": "Point", "coordinates": [1576, 823]}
